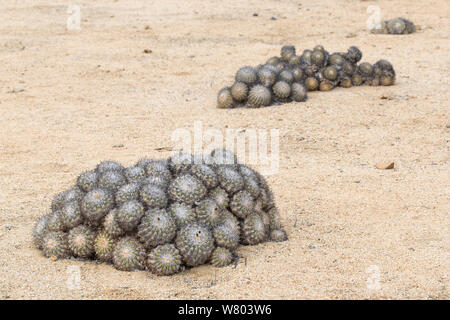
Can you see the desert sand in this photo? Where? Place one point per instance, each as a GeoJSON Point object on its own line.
{"type": "Point", "coordinates": [71, 98]}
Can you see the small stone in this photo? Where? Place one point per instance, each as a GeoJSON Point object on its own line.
{"type": "Point", "coordinates": [148, 51]}
{"type": "Point", "coordinates": [16, 90]}
{"type": "Point", "coordinates": [385, 165]}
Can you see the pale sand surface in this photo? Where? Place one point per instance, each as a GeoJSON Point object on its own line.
{"type": "Point", "coordinates": [69, 98]}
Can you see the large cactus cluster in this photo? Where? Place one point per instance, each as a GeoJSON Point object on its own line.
{"type": "Point", "coordinates": [288, 77]}
{"type": "Point", "coordinates": [161, 215]}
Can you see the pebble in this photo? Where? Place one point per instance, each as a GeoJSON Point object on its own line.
{"type": "Point", "coordinates": [16, 90]}
{"type": "Point", "coordinates": [385, 165]}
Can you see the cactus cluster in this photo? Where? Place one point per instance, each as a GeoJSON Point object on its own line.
{"type": "Point", "coordinates": [290, 76]}
{"type": "Point", "coordinates": [394, 26]}
{"type": "Point", "coordinates": [161, 215]}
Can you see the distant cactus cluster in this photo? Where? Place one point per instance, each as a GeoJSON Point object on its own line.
{"type": "Point", "coordinates": [161, 215]}
{"type": "Point", "coordinates": [288, 77]}
{"type": "Point", "coordinates": [394, 26]}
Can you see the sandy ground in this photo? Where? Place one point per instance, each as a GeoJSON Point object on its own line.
{"type": "Point", "coordinates": [69, 99]}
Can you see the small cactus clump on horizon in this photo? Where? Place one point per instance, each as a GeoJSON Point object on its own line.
{"type": "Point", "coordinates": [394, 26]}
{"type": "Point", "coordinates": [289, 77]}
{"type": "Point", "coordinates": [162, 215]}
